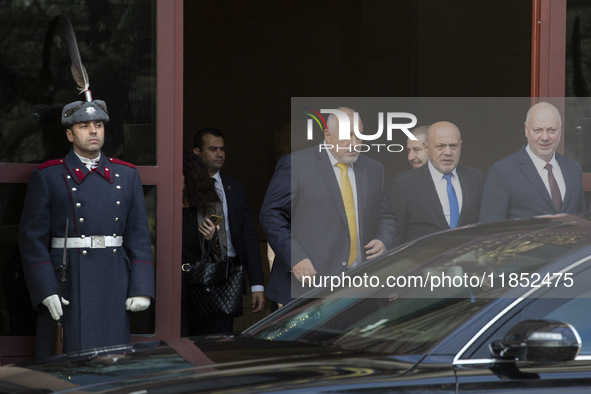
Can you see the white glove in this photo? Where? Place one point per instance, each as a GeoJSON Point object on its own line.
{"type": "Point", "coordinates": [55, 307]}
{"type": "Point", "coordinates": [137, 303]}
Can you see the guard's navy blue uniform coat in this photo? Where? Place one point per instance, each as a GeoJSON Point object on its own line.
{"type": "Point", "coordinates": [105, 201]}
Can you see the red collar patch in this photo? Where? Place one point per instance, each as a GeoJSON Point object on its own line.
{"type": "Point", "coordinates": [79, 174]}
{"type": "Point", "coordinates": [106, 174]}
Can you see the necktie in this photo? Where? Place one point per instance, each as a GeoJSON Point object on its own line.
{"type": "Point", "coordinates": [554, 190]}
{"type": "Point", "coordinates": [454, 208]}
{"type": "Point", "coordinates": [347, 194]}
{"type": "Point", "coordinates": [214, 182]}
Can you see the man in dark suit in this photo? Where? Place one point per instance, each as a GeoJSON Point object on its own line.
{"type": "Point", "coordinates": [536, 180]}
{"type": "Point", "coordinates": [242, 240]}
{"type": "Point", "coordinates": [417, 155]}
{"type": "Point", "coordinates": [440, 195]}
{"type": "Point", "coordinates": [325, 211]}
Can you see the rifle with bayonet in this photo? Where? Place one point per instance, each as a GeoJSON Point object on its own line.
{"type": "Point", "coordinates": [58, 327]}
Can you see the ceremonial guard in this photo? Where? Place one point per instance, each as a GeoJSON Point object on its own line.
{"type": "Point", "coordinates": [109, 270]}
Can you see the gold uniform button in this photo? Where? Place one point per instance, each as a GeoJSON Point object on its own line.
{"type": "Point", "coordinates": [81, 220]}
{"type": "Point", "coordinates": [114, 250]}
{"type": "Point", "coordinates": [116, 219]}
{"type": "Point", "coordinates": [69, 177]}
{"type": "Point", "coordinates": [73, 189]}
{"type": "Point", "coordinates": [118, 202]}
{"type": "Point", "coordinates": [114, 235]}
{"type": "Point", "coordinates": [84, 252]}
{"type": "Point", "coordinates": [83, 236]}
{"type": "Point", "coordinates": [117, 175]}
{"type": "Point", "coordinates": [118, 187]}
{"type": "Point", "coordinates": [78, 205]}
{"type": "Point", "coordinates": [344, 263]}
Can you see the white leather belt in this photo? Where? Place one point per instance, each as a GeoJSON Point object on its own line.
{"type": "Point", "coordinates": [93, 241]}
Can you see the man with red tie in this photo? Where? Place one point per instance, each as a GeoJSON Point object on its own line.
{"type": "Point", "coordinates": [536, 180]}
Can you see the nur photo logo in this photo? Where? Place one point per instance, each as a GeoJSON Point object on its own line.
{"type": "Point", "coordinates": [345, 129]}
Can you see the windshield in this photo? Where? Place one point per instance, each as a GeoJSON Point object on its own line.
{"type": "Point", "coordinates": [412, 319]}
{"type": "Point", "coordinates": [400, 326]}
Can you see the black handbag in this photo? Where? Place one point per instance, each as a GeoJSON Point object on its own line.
{"type": "Point", "coordinates": [220, 300]}
{"type": "Point", "coordinates": [212, 268]}
{"type": "Point", "coordinates": [214, 282]}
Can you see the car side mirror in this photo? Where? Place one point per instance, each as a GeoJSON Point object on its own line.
{"type": "Point", "coordinates": [539, 341]}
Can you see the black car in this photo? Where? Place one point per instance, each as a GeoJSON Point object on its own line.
{"type": "Point", "coordinates": [510, 311]}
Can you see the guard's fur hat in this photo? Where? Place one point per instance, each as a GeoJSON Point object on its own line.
{"type": "Point", "coordinates": [80, 111]}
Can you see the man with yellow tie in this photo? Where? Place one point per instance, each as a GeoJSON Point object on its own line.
{"type": "Point", "coordinates": [325, 211]}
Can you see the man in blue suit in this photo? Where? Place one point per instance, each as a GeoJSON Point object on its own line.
{"type": "Point", "coordinates": [536, 180]}
{"type": "Point", "coordinates": [308, 221]}
{"type": "Point", "coordinates": [109, 270]}
{"type": "Point", "coordinates": [242, 241]}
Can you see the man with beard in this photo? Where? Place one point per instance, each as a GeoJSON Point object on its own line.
{"type": "Point", "coordinates": [417, 155]}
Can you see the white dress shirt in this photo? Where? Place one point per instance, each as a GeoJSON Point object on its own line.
{"type": "Point", "coordinates": [219, 187]}
{"type": "Point", "coordinates": [441, 187]}
{"type": "Point", "coordinates": [89, 163]}
{"type": "Point", "coordinates": [556, 171]}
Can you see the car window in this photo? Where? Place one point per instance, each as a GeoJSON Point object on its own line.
{"type": "Point", "coordinates": [574, 311]}
{"type": "Point", "coordinates": [407, 311]}
{"type": "Point", "coordinates": [402, 326]}
{"type": "Point", "coordinates": [431, 266]}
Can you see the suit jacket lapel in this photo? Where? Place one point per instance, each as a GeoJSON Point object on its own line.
{"type": "Point", "coordinates": [230, 200]}
{"type": "Point", "coordinates": [568, 180]}
{"type": "Point", "coordinates": [465, 184]}
{"type": "Point", "coordinates": [530, 171]}
{"type": "Point", "coordinates": [330, 180]}
{"type": "Point", "coordinates": [362, 187]}
{"type": "Point", "coordinates": [432, 196]}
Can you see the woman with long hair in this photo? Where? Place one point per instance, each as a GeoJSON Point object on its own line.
{"type": "Point", "coordinates": [200, 201]}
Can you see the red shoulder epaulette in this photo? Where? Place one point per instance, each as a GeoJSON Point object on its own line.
{"type": "Point", "coordinates": [50, 163]}
{"type": "Point", "coordinates": [117, 161]}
